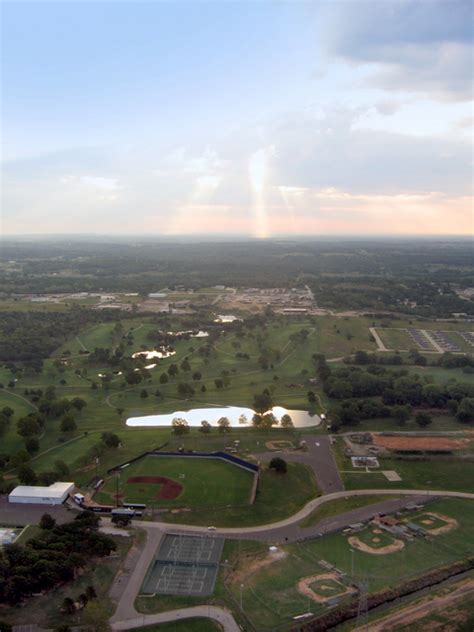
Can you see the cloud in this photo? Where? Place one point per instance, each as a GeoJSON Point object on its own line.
{"type": "Point", "coordinates": [412, 45]}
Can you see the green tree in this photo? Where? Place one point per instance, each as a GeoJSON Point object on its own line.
{"type": "Point", "coordinates": [224, 424]}
{"type": "Point", "coordinates": [47, 522]}
{"type": "Point", "coordinates": [278, 464]}
{"type": "Point", "coordinates": [423, 419]}
{"type": "Point", "coordinates": [465, 410]}
{"type": "Point", "coordinates": [110, 439]}
{"type": "Point", "coordinates": [144, 393]}
{"type": "Point", "coordinates": [180, 426]}
{"type": "Point", "coordinates": [286, 421]}
{"type": "Point", "coordinates": [26, 475]}
{"type": "Point", "coordinates": [401, 413]}
{"type": "Point", "coordinates": [32, 445]}
{"type": "Point", "coordinates": [68, 606]}
{"type": "Point", "coordinates": [163, 378]}
{"type": "Point", "coordinates": [205, 427]}
{"type": "Point", "coordinates": [68, 424]}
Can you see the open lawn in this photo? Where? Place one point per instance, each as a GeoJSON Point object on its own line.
{"type": "Point", "coordinates": [198, 482]}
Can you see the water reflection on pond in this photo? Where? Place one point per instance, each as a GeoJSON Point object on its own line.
{"type": "Point", "coordinates": [237, 416]}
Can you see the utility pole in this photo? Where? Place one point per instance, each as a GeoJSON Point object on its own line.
{"type": "Point", "coordinates": [241, 601]}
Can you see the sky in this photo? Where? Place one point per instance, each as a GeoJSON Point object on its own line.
{"type": "Point", "coordinates": [247, 118]}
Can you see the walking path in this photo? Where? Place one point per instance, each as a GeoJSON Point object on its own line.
{"type": "Point", "coordinates": [221, 615]}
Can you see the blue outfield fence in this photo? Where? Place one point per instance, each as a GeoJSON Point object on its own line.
{"type": "Point", "coordinates": [235, 460]}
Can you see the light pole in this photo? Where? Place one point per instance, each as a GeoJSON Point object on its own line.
{"type": "Point", "coordinates": [241, 601]}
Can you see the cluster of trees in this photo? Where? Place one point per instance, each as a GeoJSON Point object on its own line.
{"type": "Point", "coordinates": [52, 558]}
{"type": "Point", "coordinates": [31, 336]}
{"type": "Point", "coordinates": [377, 391]}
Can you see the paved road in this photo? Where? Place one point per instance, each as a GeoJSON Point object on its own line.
{"type": "Point", "coordinates": [265, 531]}
{"type": "Point", "coordinates": [323, 463]}
{"type": "Point", "coordinates": [126, 607]}
{"type": "Point", "coordinates": [221, 615]}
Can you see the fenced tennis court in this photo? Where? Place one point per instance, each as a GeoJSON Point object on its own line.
{"type": "Point", "coordinates": [184, 565]}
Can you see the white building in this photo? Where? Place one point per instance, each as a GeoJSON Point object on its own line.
{"type": "Point", "coordinates": [55, 494]}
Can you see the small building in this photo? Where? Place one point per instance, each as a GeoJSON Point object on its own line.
{"type": "Point", "coordinates": [156, 295]}
{"type": "Point", "coordinates": [55, 494]}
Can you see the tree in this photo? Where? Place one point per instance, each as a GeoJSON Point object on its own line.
{"type": "Point", "coordinates": [286, 421]}
{"type": "Point", "coordinates": [205, 427]}
{"type": "Point", "coordinates": [7, 411]}
{"type": "Point", "coordinates": [203, 388]}
{"type": "Point", "coordinates": [26, 475]}
{"type": "Point", "coordinates": [219, 383]}
{"type": "Point", "coordinates": [68, 424]}
{"type": "Point", "coordinates": [121, 521]}
{"type": "Point", "coordinates": [47, 522]}
{"type": "Point", "coordinates": [185, 366]}
{"type": "Point", "coordinates": [163, 378]}
{"type": "Point", "coordinates": [110, 439]}
{"type": "Point", "coordinates": [5, 627]}
{"type": "Point", "coordinates": [28, 426]}
{"type": "Point", "coordinates": [144, 393]}
{"type": "Point", "coordinates": [243, 419]}
{"type": "Point", "coordinates": [157, 393]}
{"type": "Point", "coordinates": [78, 403]}
{"type": "Point", "coordinates": [197, 376]}
{"type": "Point", "coordinates": [82, 599]}
{"type": "Point", "coordinates": [465, 410]}
{"type": "Point", "coordinates": [173, 370]}
{"type": "Point", "coordinates": [262, 402]}
{"type": "Point", "coordinates": [423, 419]}
{"type": "Point", "coordinates": [68, 606]}
{"type": "Point", "coordinates": [401, 413]}
{"type": "Point", "coordinates": [180, 426]}
{"type": "Point", "coordinates": [278, 464]}
{"type": "Point", "coordinates": [32, 445]}
{"type": "Point", "coordinates": [311, 397]}
{"type": "Point", "coordinates": [91, 593]}
{"type": "Point", "coordinates": [224, 424]}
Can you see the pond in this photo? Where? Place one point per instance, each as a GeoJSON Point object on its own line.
{"type": "Point", "coordinates": [235, 414]}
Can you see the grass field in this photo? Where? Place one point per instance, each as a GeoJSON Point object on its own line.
{"type": "Point", "coordinates": [205, 483]}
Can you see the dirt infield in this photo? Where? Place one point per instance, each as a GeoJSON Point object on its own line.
{"type": "Point", "coordinates": [420, 443]}
{"type": "Point", "coordinates": [304, 587]}
{"type": "Point", "coordinates": [169, 489]}
{"type": "Point", "coordinates": [450, 523]}
{"type": "Point", "coordinates": [397, 545]}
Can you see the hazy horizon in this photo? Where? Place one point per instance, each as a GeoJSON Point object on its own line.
{"type": "Point", "coordinates": [237, 120]}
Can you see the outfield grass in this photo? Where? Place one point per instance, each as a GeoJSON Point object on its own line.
{"type": "Point", "coordinates": [279, 496]}
{"type": "Point", "coordinates": [205, 482]}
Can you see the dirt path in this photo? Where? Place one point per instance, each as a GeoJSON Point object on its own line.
{"type": "Point", "coordinates": [418, 611]}
{"type": "Point", "coordinates": [378, 339]}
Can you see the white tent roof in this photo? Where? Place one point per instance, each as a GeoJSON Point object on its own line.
{"type": "Point", "coordinates": [56, 490]}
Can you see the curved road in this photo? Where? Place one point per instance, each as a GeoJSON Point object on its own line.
{"type": "Point", "coordinates": [221, 615]}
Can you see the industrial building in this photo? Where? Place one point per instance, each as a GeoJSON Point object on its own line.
{"type": "Point", "coordinates": [55, 494]}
